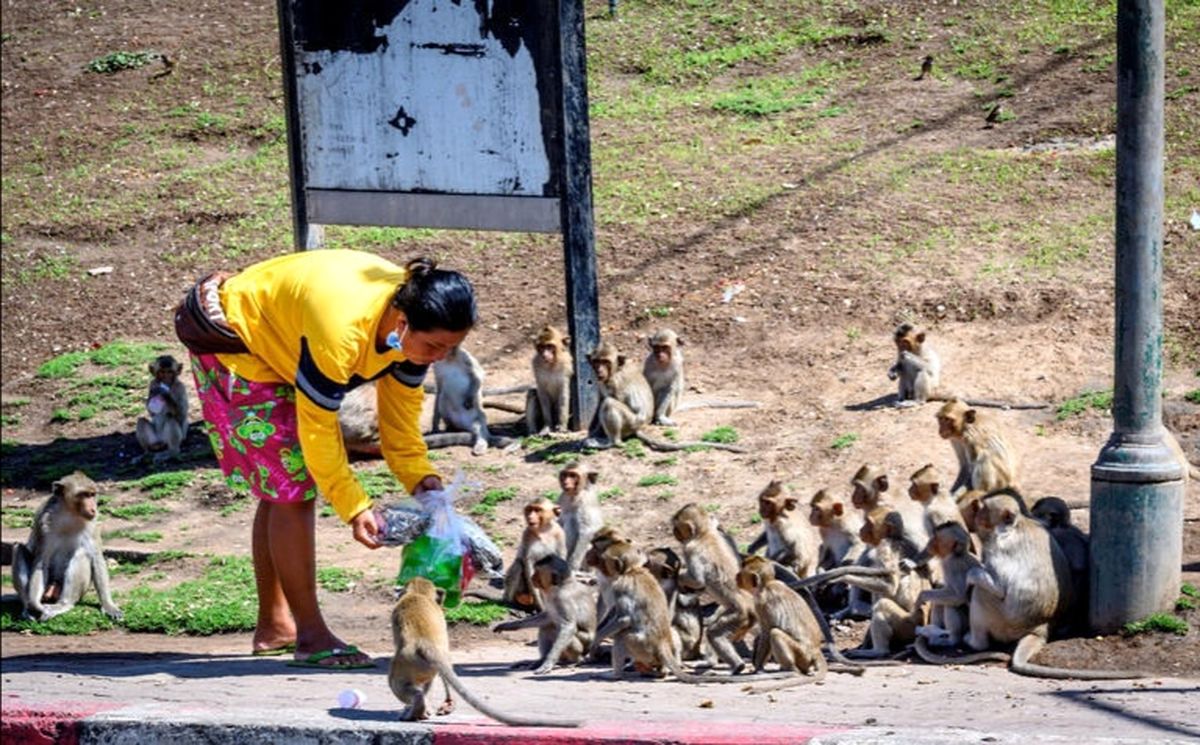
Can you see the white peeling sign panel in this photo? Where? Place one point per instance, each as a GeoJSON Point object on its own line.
{"type": "Point", "coordinates": [428, 96]}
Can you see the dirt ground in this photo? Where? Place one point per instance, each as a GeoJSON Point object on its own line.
{"type": "Point", "coordinates": [808, 337]}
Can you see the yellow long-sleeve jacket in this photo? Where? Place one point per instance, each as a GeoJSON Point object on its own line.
{"type": "Point", "coordinates": [310, 320]}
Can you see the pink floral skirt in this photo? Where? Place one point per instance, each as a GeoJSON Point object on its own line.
{"type": "Point", "coordinates": [252, 428]}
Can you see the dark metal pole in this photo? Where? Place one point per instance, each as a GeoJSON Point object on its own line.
{"type": "Point", "coordinates": [579, 240]}
{"type": "Point", "coordinates": [305, 234]}
{"type": "Point", "coordinates": [1137, 481]}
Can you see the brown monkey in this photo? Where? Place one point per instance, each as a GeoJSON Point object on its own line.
{"type": "Point", "coordinates": [568, 624]}
{"type": "Point", "coordinates": [423, 653]}
{"type": "Point", "coordinates": [925, 489]}
{"type": "Point", "coordinates": [986, 459]}
{"type": "Point", "coordinates": [542, 536]}
{"type": "Point", "coordinates": [711, 564]}
{"type": "Point", "coordinates": [603, 538]}
{"type": "Point", "coordinates": [579, 511]}
{"type": "Point", "coordinates": [626, 405]}
{"type": "Point", "coordinates": [840, 546]}
{"type": "Point", "coordinates": [663, 369]}
{"type": "Point", "coordinates": [1055, 515]}
{"type": "Point", "coordinates": [1023, 587]}
{"type": "Point", "coordinates": [63, 555]}
{"type": "Point", "coordinates": [459, 402]}
{"type": "Point", "coordinates": [789, 540]}
{"type": "Point", "coordinates": [790, 632]}
{"type": "Point", "coordinates": [687, 610]}
{"type": "Point", "coordinates": [951, 545]}
{"type": "Point", "coordinates": [167, 404]}
{"type": "Point", "coordinates": [546, 404]}
{"type": "Point", "coordinates": [869, 486]}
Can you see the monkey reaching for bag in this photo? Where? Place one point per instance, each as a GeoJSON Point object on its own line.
{"type": "Point", "coordinates": [567, 624]}
{"type": "Point", "coordinates": [423, 653]}
{"type": "Point", "coordinates": [164, 431]}
{"type": "Point", "coordinates": [63, 556]}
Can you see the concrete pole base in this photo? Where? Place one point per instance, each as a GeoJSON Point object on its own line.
{"type": "Point", "coordinates": [1136, 530]}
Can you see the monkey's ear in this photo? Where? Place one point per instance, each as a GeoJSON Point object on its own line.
{"type": "Point", "coordinates": [921, 338]}
{"type": "Point", "coordinates": [592, 476]}
{"type": "Point", "coordinates": [969, 416]}
{"type": "Point", "coordinates": [620, 360]}
{"type": "Point", "coordinates": [58, 487]}
{"type": "Point", "coordinates": [440, 594]}
{"type": "Point", "coordinates": [881, 483]}
{"type": "Point", "coordinates": [838, 508]}
{"type": "Point", "coordinates": [789, 504]}
{"type": "Point", "coordinates": [933, 488]}
{"type": "Point", "coordinates": [1009, 517]}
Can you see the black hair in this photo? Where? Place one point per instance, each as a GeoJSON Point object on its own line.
{"type": "Point", "coordinates": [435, 298]}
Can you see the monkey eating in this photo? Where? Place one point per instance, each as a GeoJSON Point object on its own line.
{"type": "Point", "coordinates": [423, 652]}
{"type": "Point", "coordinates": [63, 555]}
{"type": "Point", "coordinates": [567, 624]}
{"type": "Point", "coordinates": [164, 431]}
{"type": "Point", "coordinates": [626, 406]}
{"type": "Point", "coordinates": [663, 369]}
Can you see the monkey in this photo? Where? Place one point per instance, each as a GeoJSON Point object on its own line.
{"type": "Point", "coordinates": [579, 511]}
{"type": "Point", "coordinates": [546, 404]}
{"type": "Point", "coordinates": [1021, 589]}
{"type": "Point", "coordinates": [869, 485]}
{"type": "Point", "coordinates": [542, 536]}
{"type": "Point", "coordinates": [63, 555]}
{"type": "Point", "coordinates": [789, 541]}
{"type": "Point", "coordinates": [685, 606]}
{"type": "Point", "coordinates": [925, 489]}
{"type": "Point", "coordinates": [167, 404]}
{"type": "Point", "coordinates": [600, 542]}
{"type": "Point", "coordinates": [986, 458]}
{"type": "Point", "coordinates": [358, 419]}
{"type": "Point", "coordinates": [926, 67]}
{"type": "Point", "coordinates": [791, 633]}
{"type": "Point", "coordinates": [1055, 515]}
{"type": "Point", "coordinates": [567, 624]}
{"type": "Point", "coordinates": [840, 545]}
{"type": "Point", "coordinates": [950, 544]}
{"type": "Point", "coordinates": [423, 653]}
{"type": "Point", "coordinates": [710, 564]}
{"type": "Point", "coordinates": [626, 406]}
{"type": "Point", "coordinates": [663, 369]}
{"type": "Point", "coordinates": [459, 400]}
{"type": "Point", "coordinates": [918, 368]}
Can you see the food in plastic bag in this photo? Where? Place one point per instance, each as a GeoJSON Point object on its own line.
{"type": "Point", "coordinates": [438, 554]}
{"type": "Point", "coordinates": [485, 554]}
{"type": "Point", "coordinates": [401, 523]}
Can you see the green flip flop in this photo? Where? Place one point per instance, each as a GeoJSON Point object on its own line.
{"type": "Point", "coordinates": [274, 651]}
{"type": "Point", "coordinates": [314, 659]}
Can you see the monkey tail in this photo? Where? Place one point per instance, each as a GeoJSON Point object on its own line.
{"type": "Point", "coordinates": [664, 446]}
{"type": "Point", "coordinates": [796, 679]}
{"type": "Point", "coordinates": [846, 664]}
{"type": "Point", "coordinates": [436, 440]}
{"type": "Point", "coordinates": [989, 403]}
{"type": "Point", "coordinates": [1031, 644]}
{"type": "Point", "coordinates": [712, 404]}
{"type": "Point", "coordinates": [933, 658]}
{"type": "Point", "coordinates": [839, 572]}
{"type": "Point", "coordinates": [446, 670]}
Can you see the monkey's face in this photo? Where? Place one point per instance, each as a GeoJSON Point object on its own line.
{"type": "Point", "coordinates": [85, 504]}
{"type": "Point", "coordinates": [816, 516]}
{"type": "Point", "coordinates": [548, 352]}
{"type": "Point", "coordinates": [603, 370]}
{"type": "Point", "coordinates": [568, 480]}
{"type": "Point", "coordinates": [540, 515]}
{"type": "Point", "coordinates": [662, 354]}
{"type": "Point", "coordinates": [544, 578]}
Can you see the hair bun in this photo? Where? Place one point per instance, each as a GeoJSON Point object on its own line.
{"type": "Point", "coordinates": [420, 267]}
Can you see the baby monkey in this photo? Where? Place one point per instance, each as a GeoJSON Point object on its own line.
{"type": "Point", "coordinates": [567, 625]}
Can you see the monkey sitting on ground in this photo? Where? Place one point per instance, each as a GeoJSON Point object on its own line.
{"type": "Point", "coordinates": [687, 610]}
{"type": "Point", "coordinates": [626, 405]}
{"type": "Point", "coordinates": [986, 458]}
{"type": "Point", "coordinates": [567, 625]}
{"type": "Point", "coordinates": [167, 404]}
{"type": "Point", "coordinates": [789, 540]}
{"type": "Point", "coordinates": [542, 537]}
{"type": "Point", "coordinates": [63, 556]}
{"type": "Point", "coordinates": [919, 369]}
{"type": "Point", "coordinates": [870, 485]}
{"type": "Point", "coordinates": [663, 369]}
{"type": "Point", "coordinates": [791, 634]}
{"type": "Point", "coordinates": [423, 653]}
{"type": "Point", "coordinates": [459, 401]}
{"type": "Point", "coordinates": [546, 404]}
{"type": "Point", "coordinates": [951, 546]}
{"type": "Point", "coordinates": [840, 546]}
{"type": "Point", "coordinates": [579, 511]}
{"type": "Point", "coordinates": [1055, 515]}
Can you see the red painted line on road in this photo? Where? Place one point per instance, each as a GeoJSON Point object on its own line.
{"type": "Point", "coordinates": [631, 733]}
{"type": "Point", "coordinates": [44, 724]}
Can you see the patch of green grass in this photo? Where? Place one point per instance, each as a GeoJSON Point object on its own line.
{"type": "Point", "coordinates": [1192, 396]}
{"type": "Point", "coordinates": [379, 483]}
{"type": "Point", "coordinates": [16, 517]}
{"type": "Point", "coordinates": [712, 507]}
{"type": "Point", "coordinates": [166, 483]}
{"type": "Point", "coordinates": [326, 511]}
{"type": "Point", "coordinates": [136, 510]}
{"type": "Point", "coordinates": [17, 401]}
{"type": "Point", "coordinates": [755, 519]}
{"type": "Point", "coordinates": [117, 61]}
{"type": "Point", "coordinates": [437, 456]}
{"type": "Point", "coordinates": [668, 461]}
{"type": "Point", "coordinates": [1182, 604]}
{"type": "Point", "coordinates": [62, 366]}
{"type": "Point", "coordinates": [9, 420]}
{"type": "Point", "coordinates": [221, 600]}
{"type": "Point", "coordinates": [85, 618]}
{"type": "Point", "coordinates": [492, 497]}
{"type": "Point", "coordinates": [1164, 622]}
{"type": "Point", "coordinates": [674, 65]}
{"type": "Point", "coordinates": [113, 354]}
{"type": "Point", "coordinates": [665, 496]}
{"type": "Point", "coordinates": [563, 458]}
{"type": "Point", "coordinates": [724, 434]}
{"type": "Point", "coordinates": [612, 493]}
{"type": "Point", "coordinates": [760, 97]}
{"type": "Point", "coordinates": [238, 505]}
{"type": "Point", "coordinates": [147, 536]}
{"type": "Point", "coordinates": [841, 442]}
{"type": "Point", "coordinates": [1189, 590]}
{"type": "Point", "coordinates": [633, 448]}
{"type": "Point", "coordinates": [477, 614]}
{"type": "Point", "coordinates": [658, 479]}
{"type": "Point", "coordinates": [660, 311]}
{"type": "Point", "coordinates": [1101, 400]}
{"type": "Point", "coordinates": [337, 579]}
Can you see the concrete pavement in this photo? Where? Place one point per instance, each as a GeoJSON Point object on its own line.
{"type": "Point", "coordinates": [221, 696]}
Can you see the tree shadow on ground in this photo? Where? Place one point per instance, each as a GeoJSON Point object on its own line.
{"type": "Point", "coordinates": [1090, 699]}
{"type": "Point", "coordinates": [110, 457]}
{"type": "Point", "coordinates": [176, 664]}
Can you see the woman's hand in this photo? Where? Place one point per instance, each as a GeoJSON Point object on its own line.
{"type": "Point", "coordinates": [429, 483]}
{"type": "Point", "coordinates": [365, 529]}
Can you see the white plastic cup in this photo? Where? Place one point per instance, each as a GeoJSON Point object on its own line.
{"type": "Point", "coordinates": [351, 698]}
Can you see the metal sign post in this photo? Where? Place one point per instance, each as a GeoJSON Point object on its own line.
{"type": "Point", "coordinates": [446, 114]}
